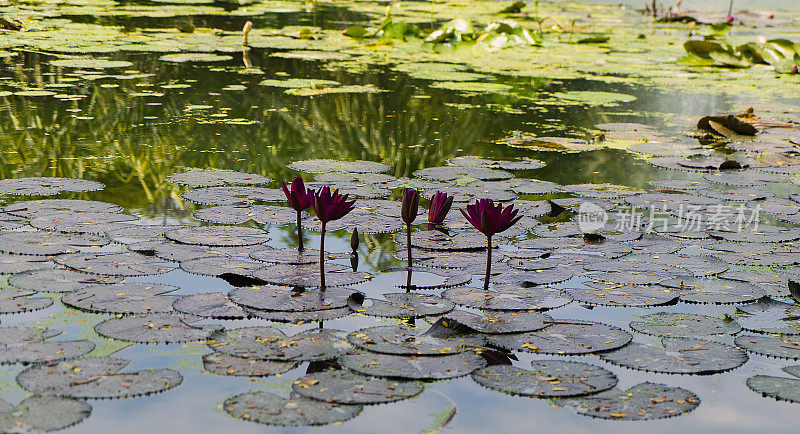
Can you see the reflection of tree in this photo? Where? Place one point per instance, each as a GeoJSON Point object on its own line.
{"type": "Point", "coordinates": [133, 145]}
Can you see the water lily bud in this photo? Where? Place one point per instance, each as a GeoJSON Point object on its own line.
{"type": "Point", "coordinates": [772, 16]}
{"type": "Point", "coordinates": [246, 31]}
{"type": "Point", "coordinates": [794, 69]}
{"type": "Point", "coordinates": [410, 205]}
{"type": "Point", "coordinates": [354, 240]}
{"type": "Point", "coordinates": [730, 18]}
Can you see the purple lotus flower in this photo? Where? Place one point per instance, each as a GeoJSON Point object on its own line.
{"type": "Point", "coordinates": [331, 206]}
{"type": "Point", "coordinates": [440, 206]}
{"type": "Point", "coordinates": [328, 207]}
{"type": "Point", "coordinates": [490, 219]}
{"type": "Point", "coordinates": [300, 198]}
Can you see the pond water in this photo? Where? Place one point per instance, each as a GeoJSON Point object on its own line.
{"type": "Point", "coordinates": [132, 127]}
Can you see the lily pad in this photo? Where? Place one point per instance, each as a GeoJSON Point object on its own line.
{"type": "Point", "coordinates": [14, 300]}
{"type": "Point", "coordinates": [284, 298]}
{"type": "Point", "coordinates": [510, 298]}
{"type": "Point", "coordinates": [96, 378]}
{"type": "Point", "coordinates": [58, 280]}
{"type": "Point", "coordinates": [218, 236]}
{"type": "Point", "coordinates": [234, 215]}
{"type": "Point", "coordinates": [780, 388]}
{"type": "Point", "coordinates": [565, 337]}
{"type": "Point", "coordinates": [224, 364]}
{"type": "Point", "coordinates": [195, 58]}
{"type": "Point", "coordinates": [547, 379]}
{"type": "Point", "coordinates": [401, 305]}
{"type": "Point", "coordinates": [30, 345]}
{"type": "Point", "coordinates": [267, 343]}
{"type": "Point", "coordinates": [322, 166]}
{"type": "Point", "coordinates": [684, 325]}
{"type": "Point", "coordinates": [498, 321]}
{"type": "Point", "coordinates": [127, 264]}
{"type": "Point", "coordinates": [45, 243]}
{"type": "Point", "coordinates": [715, 291]}
{"type": "Point", "coordinates": [452, 173]}
{"type": "Point", "coordinates": [269, 409]}
{"type": "Point", "coordinates": [97, 223]}
{"type": "Point", "coordinates": [678, 356]}
{"type": "Point", "coordinates": [46, 186]}
{"type": "Point", "coordinates": [32, 208]}
{"type": "Point", "coordinates": [287, 256]}
{"type": "Point", "coordinates": [91, 63]}
{"type": "Point", "coordinates": [123, 298]}
{"type": "Point", "coordinates": [12, 264]}
{"type": "Point", "coordinates": [785, 347]}
{"type": "Point", "coordinates": [403, 340]}
{"type": "Point", "coordinates": [209, 305]}
{"type": "Point", "coordinates": [413, 367]}
{"type": "Point", "coordinates": [216, 178]}
{"type": "Point", "coordinates": [238, 196]}
{"type": "Point", "coordinates": [42, 413]}
{"type": "Point", "coordinates": [622, 295]}
{"type": "Point", "coordinates": [644, 401]}
{"type": "Point", "coordinates": [155, 328]}
{"type": "Point", "coordinates": [346, 387]}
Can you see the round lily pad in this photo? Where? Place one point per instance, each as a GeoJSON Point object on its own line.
{"type": "Point", "coordinates": [511, 298]}
{"type": "Point", "coordinates": [33, 208]}
{"type": "Point", "coordinates": [11, 264]}
{"type": "Point", "coordinates": [401, 305]}
{"type": "Point", "coordinates": [644, 401]}
{"type": "Point", "coordinates": [322, 166]}
{"type": "Point", "coordinates": [216, 178]}
{"type": "Point", "coordinates": [622, 295]}
{"type": "Point", "coordinates": [123, 298]}
{"type": "Point", "coordinates": [452, 173]}
{"type": "Point", "coordinates": [210, 265]}
{"type": "Point", "coordinates": [155, 328]}
{"type": "Point", "coordinates": [530, 278]}
{"type": "Point", "coordinates": [15, 300]}
{"type": "Point", "coordinates": [784, 347]}
{"type": "Point", "coordinates": [780, 388]}
{"type": "Point", "coordinates": [346, 387]}
{"type": "Point", "coordinates": [42, 413]}
{"type": "Point", "coordinates": [97, 223]}
{"type": "Point", "coordinates": [58, 280]}
{"type": "Point", "coordinates": [269, 409]}
{"type": "Point", "coordinates": [267, 343]}
{"type": "Point", "coordinates": [684, 325]}
{"type": "Point", "coordinates": [95, 378]}
{"type": "Point", "coordinates": [678, 356]}
{"type": "Point", "coordinates": [234, 215]}
{"type": "Point", "coordinates": [307, 276]}
{"type": "Point", "coordinates": [565, 337]}
{"type": "Point", "coordinates": [435, 240]}
{"type": "Point", "coordinates": [413, 367]}
{"type": "Point", "coordinates": [445, 278]}
{"type": "Point", "coordinates": [499, 321]}
{"type": "Point", "coordinates": [772, 317]}
{"type": "Point", "coordinates": [224, 364]}
{"type": "Point", "coordinates": [29, 345]}
{"type": "Point", "coordinates": [127, 264]}
{"type": "Point", "coordinates": [45, 243]}
{"type": "Point", "coordinates": [236, 196]}
{"type": "Point", "coordinates": [300, 317]}
{"type": "Point", "coordinates": [406, 341]}
{"type": "Point", "coordinates": [218, 236]}
{"type": "Point", "coordinates": [195, 58]}
{"type": "Point", "coordinates": [716, 291]}
{"type": "Point", "coordinates": [209, 305]}
{"type": "Point", "coordinates": [283, 298]}
{"type": "Point", "coordinates": [90, 63]}
{"type": "Point", "coordinates": [547, 379]}
{"type": "Point", "coordinates": [46, 186]}
{"type": "Point", "coordinates": [287, 256]}
{"type": "Point", "coordinates": [534, 186]}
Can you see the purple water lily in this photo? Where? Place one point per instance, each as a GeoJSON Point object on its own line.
{"type": "Point", "coordinates": [408, 211]}
{"type": "Point", "coordinates": [328, 207]}
{"type": "Point", "coordinates": [490, 219]}
{"type": "Point", "coordinates": [300, 198]}
{"type": "Point", "coordinates": [440, 206]}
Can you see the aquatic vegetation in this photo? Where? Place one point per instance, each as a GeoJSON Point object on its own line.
{"type": "Point", "coordinates": [328, 206]}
